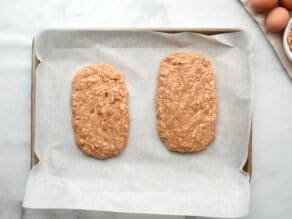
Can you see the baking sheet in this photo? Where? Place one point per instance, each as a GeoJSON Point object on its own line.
{"type": "Point", "coordinates": [145, 178]}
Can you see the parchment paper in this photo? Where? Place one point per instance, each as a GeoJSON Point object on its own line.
{"type": "Point", "coordinates": [145, 177]}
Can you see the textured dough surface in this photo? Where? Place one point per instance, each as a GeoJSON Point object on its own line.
{"type": "Point", "coordinates": [100, 117]}
{"type": "Point", "coordinates": [186, 102]}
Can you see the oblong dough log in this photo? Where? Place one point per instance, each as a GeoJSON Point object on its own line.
{"type": "Point", "coordinates": [100, 117]}
{"type": "Point", "coordinates": [186, 102]}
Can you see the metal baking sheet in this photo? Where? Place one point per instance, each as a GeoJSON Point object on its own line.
{"type": "Point", "coordinates": [34, 160]}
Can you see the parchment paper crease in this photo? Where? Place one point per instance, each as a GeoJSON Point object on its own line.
{"type": "Point", "coordinates": [146, 177]}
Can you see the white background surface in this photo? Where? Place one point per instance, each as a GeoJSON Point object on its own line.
{"type": "Point", "coordinates": [271, 192]}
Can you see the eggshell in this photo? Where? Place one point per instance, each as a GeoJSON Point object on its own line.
{"type": "Point", "coordinates": [277, 19]}
{"type": "Point", "coordinates": [287, 4]}
{"type": "Point", "coordinates": [263, 5]}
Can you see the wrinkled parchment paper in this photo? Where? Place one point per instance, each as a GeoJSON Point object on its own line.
{"type": "Point", "coordinates": [145, 177]}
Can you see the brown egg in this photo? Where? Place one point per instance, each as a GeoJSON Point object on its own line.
{"type": "Point", "coordinates": [263, 5]}
{"type": "Point", "coordinates": [277, 19]}
{"type": "Point", "coordinates": [287, 4]}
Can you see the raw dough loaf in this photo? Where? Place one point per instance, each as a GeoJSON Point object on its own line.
{"type": "Point", "coordinates": [100, 117]}
{"type": "Point", "coordinates": [186, 102]}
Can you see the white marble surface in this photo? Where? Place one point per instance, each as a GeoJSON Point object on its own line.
{"type": "Point", "coordinates": [272, 127]}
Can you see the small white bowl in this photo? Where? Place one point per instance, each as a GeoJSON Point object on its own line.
{"type": "Point", "coordinates": [285, 40]}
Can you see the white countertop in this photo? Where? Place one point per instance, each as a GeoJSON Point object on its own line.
{"type": "Point", "coordinates": [271, 191]}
